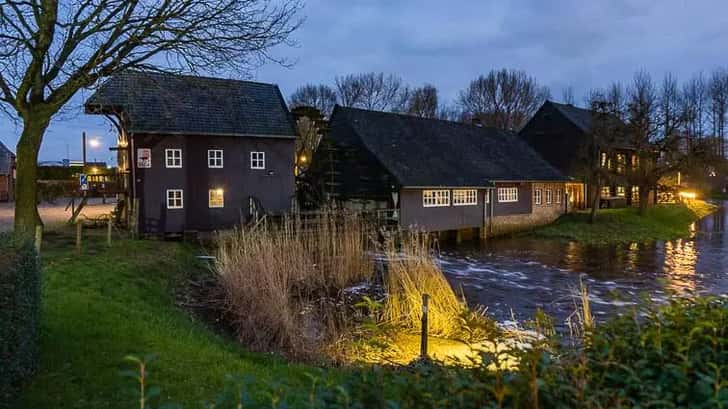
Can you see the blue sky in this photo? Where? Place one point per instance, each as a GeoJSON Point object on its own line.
{"type": "Point", "coordinates": [583, 44]}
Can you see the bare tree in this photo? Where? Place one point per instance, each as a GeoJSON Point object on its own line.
{"type": "Point", "coordinates": [504, 99]}
{"type": "Point", "coordinates": [694, 105]}
{"type": "Point", "coordinates": [718, 94]}
{"type": "Point", "coordinates": [375, 91]}
{"type": "Point", "coordinates": [423, 102]}
{"type": "Point", "coordinates": [51, 49]}
{"type": "Point", "coordinates": [321, 97]}
{"type": "Point", "coordinates": [567, 95]}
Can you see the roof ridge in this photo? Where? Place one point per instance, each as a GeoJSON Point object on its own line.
{"type": "Point", "coordinates": [204, 77]}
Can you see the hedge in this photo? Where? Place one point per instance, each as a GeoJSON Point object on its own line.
{"type": "Point", "coordinates": [20, 281]}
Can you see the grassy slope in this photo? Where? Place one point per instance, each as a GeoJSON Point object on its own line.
{"type": "Point", "coordinates": [662, 222]}
{"type": "Point", "coordinates": [105, 304]}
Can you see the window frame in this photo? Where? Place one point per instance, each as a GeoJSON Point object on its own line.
{"type": "Point", "coordinates": [549, 196]}
{"type": "Point", "coordinates": [212, 160]}
{"type": "Point", "coordinates": [181, 199]}
{"type": "Point", "coordinates": [624, 191]}
{"type": "Point", "coordinates": [507, 194]}
{"type": "Point", "coordinates": [609, 191]}
{"type": "Point", "coordinates": [257, 160]}
{"type": "Point", "coordinates": [437, 198]}
{"type": "Point", "coordinates": [470, 197]}
{"type": "Point", "coordinates": [559, 195]}
{"type": "Point", "coordinates": [169, 153]}
{"type": "Point", "coordinates": [210, 192]}
{"type": "Point", "coordinates": [538, 196]}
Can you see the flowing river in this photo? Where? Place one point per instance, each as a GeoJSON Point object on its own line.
{"type": "Point", "coordinates": [515, 276]}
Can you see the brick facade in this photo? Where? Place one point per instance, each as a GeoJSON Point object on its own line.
{"type": "Point", "coordinates": [541, 214]}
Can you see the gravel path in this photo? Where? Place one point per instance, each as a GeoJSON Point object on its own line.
{"type": "Point", "coordinates": [55, 214]}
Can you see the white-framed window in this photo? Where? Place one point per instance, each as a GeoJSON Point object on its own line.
{"type": "Point", "coordinates": [606, 191]}
{"type": "Point", "coordinates": [216, 198]}
{"type": "Point", "coordinates": [257, 160]}
{"type": "Point", "coordinates": [559, 195]}
{"type": "Point", "coordinates": [214, 158]}
{"type": "Point", "coordinates": [621, 191]}
{"type": "Point", "coordinates": [507, 194]}
{"type": "Point", "coordinates": [173, 158]}
{"type": "Point", "coordinates": [537, 196]}
{"type": "Point", "coordinates": [435, 198]}
{"type": "Point", "coordinates": [175, 199]}
{"type": "Point", "coordinates": [464, 197]}
{"type": "Point", "coordinates": [549, 196]}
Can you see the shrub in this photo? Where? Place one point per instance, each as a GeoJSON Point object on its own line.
{"type": "Point", "coordinates": [19, 315]}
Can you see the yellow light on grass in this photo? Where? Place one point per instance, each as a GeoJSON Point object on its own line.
{"type": "Point", "coordinates": [686, 194]}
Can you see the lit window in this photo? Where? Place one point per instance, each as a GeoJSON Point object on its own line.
{"type": "Point", "coordinates": [621, 191]}
{"type": "Point", "coordinates": [559, 194]}
{"type": "Point", "coordinates": [257, 160]}
{"type": "Point", "coordinates": [606, 191]}
{"type": "Point", "coordinates": [537, 199]}
{"type": "Point", "coordinates": [549, 196]}
{"type": "Point", "coordinates": [173, 158]}
{"type": "Point", "coordinates": [621, 162]}
{"type": "Point", "coordinates": [214, 158]}
{"type": "Point", "coordinates": [507, 194]}
{"type": "Point", "coordinates": [635, 162]}
{"type": "Point", "coordinates": [603, 160]}
{"type": "Point", "coordinates": [464, 197]}
{"type": "Point", "coordinates": [175, 199]}
{"type": "Point", "coordinates": [216, 198]}
{"type": "Point", "coordinates": [635, 194]}
{"type": "Point", "coordinates": [435, 198]}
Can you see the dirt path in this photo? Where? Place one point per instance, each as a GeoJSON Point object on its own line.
{"type": "Point", "coordinates": [55, 214]}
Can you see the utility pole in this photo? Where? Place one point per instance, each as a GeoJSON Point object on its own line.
{"type": "Point", "coordinates": [83, 142]}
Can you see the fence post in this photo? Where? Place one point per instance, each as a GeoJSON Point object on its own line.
{"type": "Point", "coordinates": [79, 226]}
{"type": "Point", "coordinates": [108, 231]}
{"type": "Point", "coordinates": [38, 237]}
{"type": "Point", "coordinates": [423, 336]}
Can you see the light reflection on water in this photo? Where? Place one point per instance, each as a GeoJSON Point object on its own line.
{"type": "Point", "coordinates": [519, 275]}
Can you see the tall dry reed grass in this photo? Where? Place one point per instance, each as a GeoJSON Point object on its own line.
{"type": "Point", "coordinates": [412, 271]}
{"type": "Point", "coordinates": [278, 280]}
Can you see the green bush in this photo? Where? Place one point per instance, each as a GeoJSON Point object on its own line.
{"type": "Point", "coordinates": [19, 315]}
{"type": "Point", "coordinates": [670, 356]}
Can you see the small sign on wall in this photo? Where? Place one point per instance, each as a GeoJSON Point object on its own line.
{"type": "Point", "coordinates": [144, 158]}
{"type": "Point", "coordinates": [83, 181]}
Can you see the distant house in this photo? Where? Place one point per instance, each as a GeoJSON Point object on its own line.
{"type": "Point", "coordinates": [560, 134]}
{"type": "Point", "coordinates": [7, 174]}
{"type": "Point", "coordinates": [437, 175]}
{"type": "Point", "coordinates": [199, 153]}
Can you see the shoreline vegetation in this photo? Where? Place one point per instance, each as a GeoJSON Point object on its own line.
{"type": "Point", "coordinates": [621, 226]}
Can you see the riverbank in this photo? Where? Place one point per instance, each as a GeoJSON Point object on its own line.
{"type": "Point", "coordinates": [615, 226]}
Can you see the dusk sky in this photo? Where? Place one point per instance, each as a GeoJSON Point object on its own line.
{"type": "Point", "coordinates": [562, 43]}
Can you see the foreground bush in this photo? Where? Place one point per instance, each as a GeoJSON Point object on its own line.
{"type": "Point", "coordinates": [19, 314]}
{"type": "Point", "coordinates": [673, 356]}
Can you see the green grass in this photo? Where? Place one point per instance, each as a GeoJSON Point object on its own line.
{"type": "Point", "coordinates": [663, 222]}
{"type": "Point", "coordinates": [108, 303]}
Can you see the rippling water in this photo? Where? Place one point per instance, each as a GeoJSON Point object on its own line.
{"type": "Point", "coordinates": [515, 276]}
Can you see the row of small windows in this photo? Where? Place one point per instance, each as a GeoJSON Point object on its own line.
{"type": "Point", "coordinates": [175, 198]}
{"type": "Point", "coordinates": [465, 197]}
{"type": "Point", "coordinates": [539, 199]}
{"type": "Point", "coordinates": [606, 162]}
{"type": "Point", "coordinates": [173, 159]}
{"type": "Point", "coordinates": [620, 191]}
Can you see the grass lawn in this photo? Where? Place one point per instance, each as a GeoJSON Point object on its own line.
{"type": "Point", "coordinates": [107, 303]}
{"type": "Point", "coordinates": [662, 222]}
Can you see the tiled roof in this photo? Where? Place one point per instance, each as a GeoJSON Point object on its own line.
{"type": "Point", "coordinates": [181, 104]}
{"type": "Point", "coordinates": [6, 160]}
{"type": "Point", "coordinates": [429, 152]}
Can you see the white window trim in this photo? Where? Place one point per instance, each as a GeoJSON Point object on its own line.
{"type": "Point", "coordinates": [260, 158]}
{"type": "Point", "coordinates": [210, 192]}
{"type": "Point", "coordinates": [559, 194]}
{"type": "Point", "coordinates": [441, 200]}
{"type": "Point", "coordinates": [505, 196]}
{"type": "Point", "coordinates": [549, 196]}
{"type": "Point", "coordinates": [470, 197]}
{"type": "Point", "coordinates": [538, 196]}
{"type": "Point", "coordinates": [181, 199]}
{"type": "Point", "coordinates": [212, 160]}
{"type": "Point", "coordinates": [169, 154]}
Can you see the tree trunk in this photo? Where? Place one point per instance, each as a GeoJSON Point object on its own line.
{"type": "Point", "coordinates": [596, 192]}
{"type": "Point", "coordinates": [26, 194]}
{"type": "Point", "coordinates": [644, 200]}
